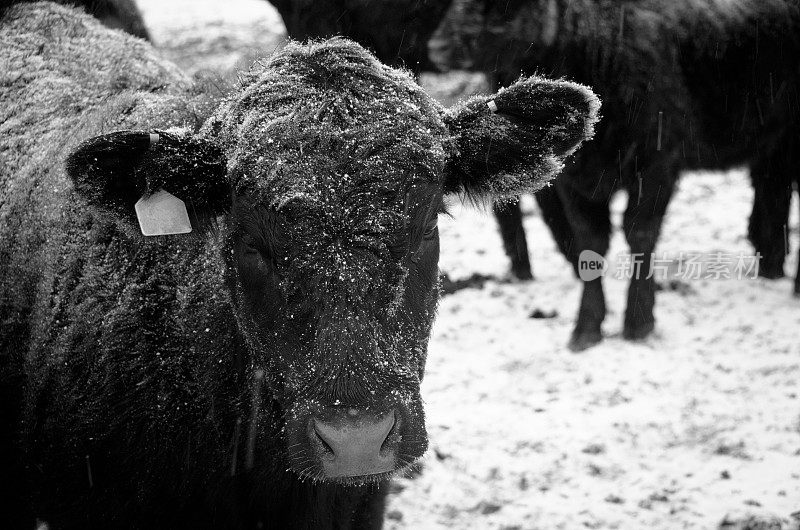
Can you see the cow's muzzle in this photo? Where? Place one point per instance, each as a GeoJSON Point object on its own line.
{"type": "Point", "coordinates": [355, 445]}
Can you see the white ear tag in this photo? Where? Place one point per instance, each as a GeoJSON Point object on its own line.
{"type": "Point", "coordinates": [162, 214]}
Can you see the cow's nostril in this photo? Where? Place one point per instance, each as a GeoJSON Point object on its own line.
{"type": "Point", "coordinates": [389, 438]}
{"type": "Point", "coordinates": [325, 447]}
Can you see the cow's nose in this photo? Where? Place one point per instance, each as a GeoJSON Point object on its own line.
{"type": "Point", "coordinates": [355, 445]}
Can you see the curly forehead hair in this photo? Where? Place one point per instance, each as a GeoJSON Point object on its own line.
{"type": "Point", "coordinates": [320, 112]}
{"type": "Point", "coordinates": [345, 149]}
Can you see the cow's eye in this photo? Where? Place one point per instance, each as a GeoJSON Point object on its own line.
{"type": "Point", "coordinates": [430, 230]}
{"type": "Point", "coordinates": [249, 244]}
{"type": "Point", "coordinates": [398, 249]}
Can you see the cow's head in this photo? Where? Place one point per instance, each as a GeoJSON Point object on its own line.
{"type": "Point", "coordinates": [329, 169]}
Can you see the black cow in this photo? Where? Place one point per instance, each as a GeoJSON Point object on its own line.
{"type": "Point", "coordinates": [119, 14]}
{"type": "Point", "coordinates": [685, 84]}
{"type": "Point", "coordinates": [264, 369]}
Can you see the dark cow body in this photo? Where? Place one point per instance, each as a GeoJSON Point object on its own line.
{"type": "Point", "coordinates": [396, 31]}
{"type": "Point", "coordinates": [264, 370]}
{"type": "Point", "coordinates": [685, 85]}
{"type": "Point", "coordinates": [118, 14]}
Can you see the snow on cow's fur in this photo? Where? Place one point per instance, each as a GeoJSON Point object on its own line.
{"type": "Point", "coordinates": [265, 368]}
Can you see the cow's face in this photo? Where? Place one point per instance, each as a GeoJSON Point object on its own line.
{"type": "Point", "coordinates": [337, 294]}
{"type": "Point", "coordinates": [330, 170]}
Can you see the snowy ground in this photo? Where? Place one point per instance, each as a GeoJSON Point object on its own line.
{"type": "Point", "coordinates": [699, 421]}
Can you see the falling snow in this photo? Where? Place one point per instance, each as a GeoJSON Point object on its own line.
{"type": "Point", "coordinates": [699, 422]}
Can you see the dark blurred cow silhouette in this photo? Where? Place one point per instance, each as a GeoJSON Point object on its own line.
{"type": "Point", "coordinates": [263, 369]}
{"type": "Point", "coordinates": [396, 31]}
{"type": "Point", "coordinates": [685, 84]}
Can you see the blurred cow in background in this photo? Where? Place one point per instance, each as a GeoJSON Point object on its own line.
{"type": "Point", "coordinates": [687, 84]}
{"type": "Point", "coordinates": [396, 31]}
{"type": "Point", "coordinates": [117, 14]}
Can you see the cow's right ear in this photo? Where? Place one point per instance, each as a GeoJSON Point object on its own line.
{"type": "Point", "coordinates": [114, 171]}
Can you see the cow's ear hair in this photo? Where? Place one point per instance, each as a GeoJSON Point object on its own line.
{"type": "Point", "coordinates": [113, 171]}
{"type": "Point", "coordinates": [517, 140]}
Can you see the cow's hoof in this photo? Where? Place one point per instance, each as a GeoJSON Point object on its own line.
{"type": "Point", "coordinates": [522, 273]}
{"type": "Point", "coordinates": [582, 340]}
{"type": "Point", "coordinates": [638, 331]}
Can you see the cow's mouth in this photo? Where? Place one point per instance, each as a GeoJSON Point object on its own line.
{"type": "Point", "coordinates": [404, 470]}
{"type": "Point", "coordinates": [360, 480]}
{"type": "Point", "coordinates": [363, 480]}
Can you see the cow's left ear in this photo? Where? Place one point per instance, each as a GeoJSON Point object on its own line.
{"type": "Point", "coordinates": [114, 171]}
{"type": "Point", "coordinates": [516, 140]}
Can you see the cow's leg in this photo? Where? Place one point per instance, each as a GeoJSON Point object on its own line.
{"type": "Point", "coordinates": [509, 219]}
{"type": "Point", "coordinates": [509, 213]}
{"type": "Point", "coordinates": [768, 221]}
{"type": "Point", "coordinates": [15, 510]}
{"type": "Point", "coordinates": [591, 225]}
{"type": "Point", "coordinates": [14, 502]}
{"type": "Point", "coordinates": [555, 218]}
{"type": "Point", "coordinates": [797, 274]}
{"type": "Point", "coordinates": [647, 203]}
